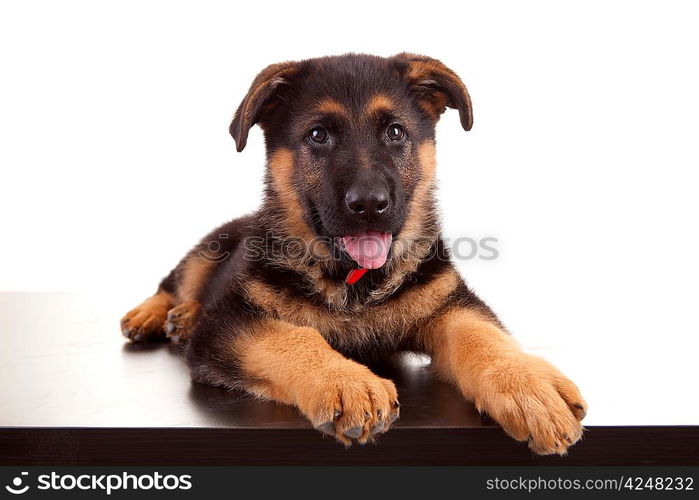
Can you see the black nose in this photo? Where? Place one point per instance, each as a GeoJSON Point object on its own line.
{"type": "Point", "coordinates": [367, 202]}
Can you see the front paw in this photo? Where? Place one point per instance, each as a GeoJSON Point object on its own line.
{"type": "Point", "coordinates": [534, 402]}
{"type": "Point", "coordinates": [144, 322]}
{"type": "Point", "coordinates": [349, 402]}
{"type": "Point", "coordinates": [181, 320]}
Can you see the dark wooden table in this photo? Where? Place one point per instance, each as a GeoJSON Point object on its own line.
{"type": "Point", "coordinates": [72, 392]}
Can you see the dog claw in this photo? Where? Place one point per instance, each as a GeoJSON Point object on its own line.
{"type": "Point", "coordinates": [327, 428]}
{"type": "Point", "coordinates": [377, 428]}
{"type": "Point", "coordinates": [353, 432]}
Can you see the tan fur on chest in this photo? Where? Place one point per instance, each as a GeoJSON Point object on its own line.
{"type": "Point", "coordinates": [358, 324]}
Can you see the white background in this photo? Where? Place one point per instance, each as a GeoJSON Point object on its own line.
{"type": "Point", "coordinates": [582, 161]}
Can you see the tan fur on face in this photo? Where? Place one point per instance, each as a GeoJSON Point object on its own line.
{"type": "Point", "coordinates": [292, 224]}
{"type": "Point", "coordinates": [281, 169]}
{"type": "Point", "coordinates": [417, 219]}
{"type": "Point", "coordinates": [379, 102]}
{"type": "Point", "coordinates": [331, 106]}
{"type": "Point", "coordinates": [362, 323]}
{"type": "Point", "coordinates": [295, 365]}
{"type": "Point", "coordinates": [526, 395]}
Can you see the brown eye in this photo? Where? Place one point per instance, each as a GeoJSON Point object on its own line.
{"type": "Point", "coordinates": [318, 135]}
{"type": "Point", "coordinates": [395, 132]}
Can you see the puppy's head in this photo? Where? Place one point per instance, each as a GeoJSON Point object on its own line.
{"type": "Point", "coordinates": [350, 145]}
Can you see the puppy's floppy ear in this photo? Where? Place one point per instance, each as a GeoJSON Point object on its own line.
{"type": "Point", "coordinates": [436, 86]}
{"type": "Point", "coordinates": [260, 100]}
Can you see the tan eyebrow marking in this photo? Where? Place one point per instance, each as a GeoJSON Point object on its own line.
{"type": "Point", "coordinates": [332, 106]}
{"type": "Point", "coordinates": [379, 102]}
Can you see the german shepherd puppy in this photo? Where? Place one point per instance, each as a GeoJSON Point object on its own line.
{"type": "Point", "coordinates": [275, 303]}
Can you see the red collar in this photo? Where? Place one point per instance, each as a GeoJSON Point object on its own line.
{"type": "Point", "coordinates": [354, 275]}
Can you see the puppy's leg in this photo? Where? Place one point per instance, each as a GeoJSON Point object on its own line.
{"type": "Point", "coordinates": [174, 309]}
{"type": "Point", "coordinates": [147, 320]}
{"type": "Point", "coordinates": [181, 320]}
{"type": "Point", "coordinates": [184, 288]}
{"type": "Point", "coordinates": [295, 365]}
{"type": "Point", "coordinates": [194, 274]}
{"type": "Point", "coordinates": [191, 276]}
{"type": "Point", "coordinates": [526, 395]}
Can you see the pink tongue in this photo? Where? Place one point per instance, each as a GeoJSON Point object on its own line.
{"type": "Point", "coordinates": [369, 249]}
